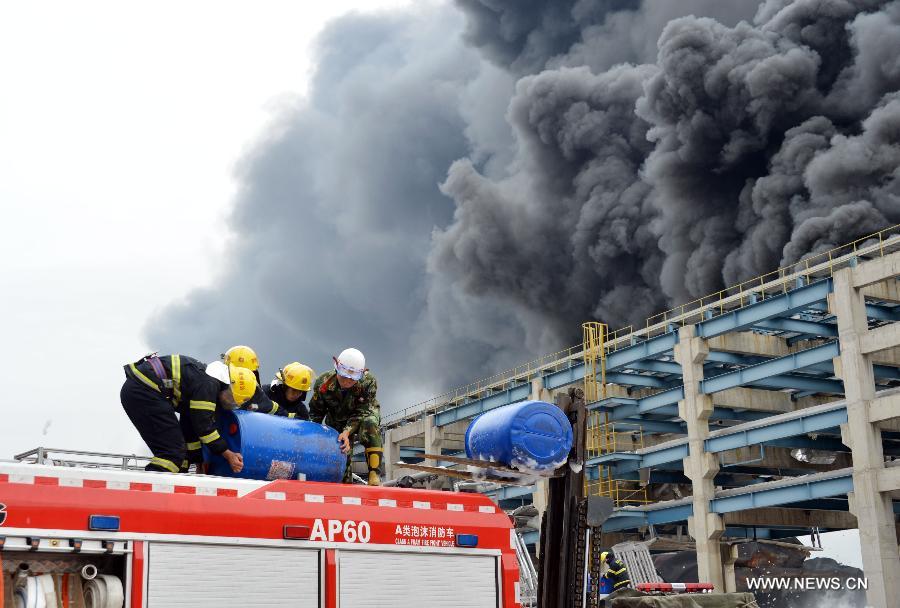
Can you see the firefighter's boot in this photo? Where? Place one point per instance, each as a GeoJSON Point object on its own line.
{"type": "Point", "coordinates": [373, 459]}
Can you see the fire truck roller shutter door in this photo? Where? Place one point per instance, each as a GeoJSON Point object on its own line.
{"type": "Point", "coordinates": [187, 575]}
{"type": "Point", "coordinates": [374, 579]}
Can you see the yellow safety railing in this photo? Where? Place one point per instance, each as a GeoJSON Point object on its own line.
{"type": "Point", "coordinates": [604, 437]}
{"type": "Point", "coordinates": [594, 349]}
{"type": "Point", "coordinates": [623, 492]}
{"type": "Point", "coordinates": [814, 267]}
{"type": "Point", "coordinates": [811, 268]}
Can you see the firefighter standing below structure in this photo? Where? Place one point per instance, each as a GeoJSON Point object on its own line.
{"type": "Point", "coordinates": [156, 388]}
{"type": "Point", "coordinates": [346, 400]}
{"type": "Point", "coordinates": [616, 570]}
{"type": "Point", "coordinates": [289, 389]}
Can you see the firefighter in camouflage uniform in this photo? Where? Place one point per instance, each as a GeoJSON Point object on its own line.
{"type": "Point", "coordinates": [345, 399]}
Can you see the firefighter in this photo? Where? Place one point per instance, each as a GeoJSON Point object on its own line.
{"type": "Point", "coordinates": [289, 390]}
{"type": "Point", "coordinates": [345, 399]}
{"type": "Point", "coordinates": [243, 356]}
{"type": "Point", "coordinates": [157, 387]}
{"type": "Point", "coordinates": [616, 570]}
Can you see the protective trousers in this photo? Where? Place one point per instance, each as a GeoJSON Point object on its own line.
{"type": "Point", "coordinates": [154, 418]}
{"type": "Point", "coordinates": [369, 435]}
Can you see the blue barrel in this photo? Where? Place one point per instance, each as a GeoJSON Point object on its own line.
{"type": "Point", "coordinates": [531, 435]}
{"type": "Point", "coordinates": [606, 585]}
{"type": "Point", "coordinates": [274, 447]}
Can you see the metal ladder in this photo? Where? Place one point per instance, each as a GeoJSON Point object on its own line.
{"type": "Point", "coordinates": [528, 578]}
{"type": "Point", "coordinates": [636, 556]}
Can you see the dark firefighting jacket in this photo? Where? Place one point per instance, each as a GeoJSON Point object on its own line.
{"type": "Point", "coordinates": [618, 574]}
{"type": "Point", "coordinates": [191, 391]}
{"type": "Point", "coordinates": [291, 409]}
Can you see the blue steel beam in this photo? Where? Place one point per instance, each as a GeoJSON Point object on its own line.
{"type": "Point", "coordinates": [613, 457]}
{"type": "Point", "coordinates": [636, 380]}
{"type": "Point", "coordinates": [509, 492]}
{"type": "Point", "coordinates": [670, 514]}
{"type": "Point", "coordinates": [670, 397]}
{"type": "Point", "coordinates": [477, 406]}
{"type": "Point", "coordinates": [824, 330]}
{"type": "Point", "coordinates": [765, 495]}
{"type": "Point", "coordinates": [655, 458]}
{"type": "Point", "coordinates": [564, 377]}
{"type": "Point", "coordinates": [791, 426]}
{"type": "Point", "coordinates": [717, 356]}
{"type": "Point", "coordinates": [829, 444]}
{"type": "Point", "coordinates": [785, 430]}
{"type": "Point", "coordinates": [651, 365]}
{"type": "Point", "coordinates": [883, 313]}
{"type": "Point", "coordinates": [772, 367]}
{"type": "Point", "coordinates": [648, 349]}
{"type": "Point", "coordinates": [836, 484]}
{"type": "Point", "coordinates": [804, 383]}
{"type": "Point", "coordinates": [657, 426]}
{"type": "Point", "coordinates": [878, 312]}
{"type": "Point", "coordinates": [661, 399]}
{"type": "Point", "coordinates": [625, 520]}
{"type": "Point", "coordinates": [886, 371]}
{"type": "Point", "coordinates": [777, 306]}
{"type": "Point", "coordinates": [751, 533]}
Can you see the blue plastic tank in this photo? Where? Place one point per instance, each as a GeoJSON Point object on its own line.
{"type": "Point", "coordinates": [274, 447]}
{"type": "Point", "coordinates": [531, 435]}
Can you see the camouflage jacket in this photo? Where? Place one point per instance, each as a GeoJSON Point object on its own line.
{"type": "Point", "coordinates": [344, 408]}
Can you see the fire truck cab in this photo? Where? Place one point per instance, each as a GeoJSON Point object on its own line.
{"type": "Point", "coordinates": [83, 536]}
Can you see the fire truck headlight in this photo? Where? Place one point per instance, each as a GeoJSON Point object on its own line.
{"type": "Point", "coordinates": [109, 523]}
{"type": "Point", "coordinates": [466, 540]}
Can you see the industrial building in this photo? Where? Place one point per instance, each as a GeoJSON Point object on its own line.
{"type": "Point", "coordinates": [767, 410]}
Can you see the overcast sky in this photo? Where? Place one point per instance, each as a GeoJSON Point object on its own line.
{"type": "Point", "coordinates": [120, 127]}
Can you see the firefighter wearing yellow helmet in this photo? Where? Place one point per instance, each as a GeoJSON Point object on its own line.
{"type": "Point", "coordinates": [615, 570]}
{"type": "Point", "coordinates": [156, 387]}
{"type": "Point", "coordinates": [345, 399]}
{"type": "Point", "coordinates": [245, 357]}
{"type": "Point", "coordinates": [289, 390]}
{"type": "Point", "coordinates": [242, 356]}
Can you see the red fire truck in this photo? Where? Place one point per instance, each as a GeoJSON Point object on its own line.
{"type": "Point", "coordinates": [85, 536]}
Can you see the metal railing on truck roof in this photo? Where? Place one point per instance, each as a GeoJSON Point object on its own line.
{"type": "Point", "coordinates": [97, 460]}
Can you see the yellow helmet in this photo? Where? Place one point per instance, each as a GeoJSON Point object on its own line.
{"type": "Point", "coordinates": [297, 376]}
{"type": "Point", "coordinates": [604, 556]}
{"type": "Point", "coordinates": [242, 356]}
{"type": "Point", "coordinates": [243, 383]}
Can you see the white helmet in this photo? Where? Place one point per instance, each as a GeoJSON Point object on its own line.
{"type": "Point", "coordinates": [350, 364]}
{"type": "Point", "coordinates": [219, 371]}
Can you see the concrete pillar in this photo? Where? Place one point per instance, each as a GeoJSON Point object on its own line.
{"type": "Point", "coordinates": [873, 509]}
{"type": "Point", "coordinates": [390, 455]}
{"type": "Point", "coordinates": [731, 555]}
{"type": "Point", "coordinates": [433, 440]}
{"type": "Point", "coordinates": [700, 467]}
{"type": "Point", "coordinates": [538, 392]}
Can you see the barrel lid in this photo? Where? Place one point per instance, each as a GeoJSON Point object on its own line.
{"type": "Point", "coordinates": [541, 433]}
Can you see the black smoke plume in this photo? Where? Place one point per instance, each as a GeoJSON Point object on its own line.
{"type": "Point", "coordinates": [467, 183]}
